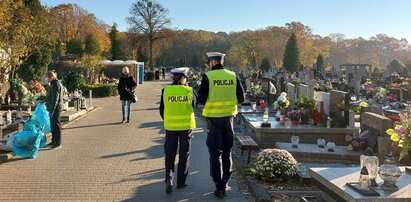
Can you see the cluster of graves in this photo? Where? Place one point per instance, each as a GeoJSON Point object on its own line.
{"type": "Point", "coordinates": [16, 108]}
{"type": "Point", "coordinates": [354, 117]}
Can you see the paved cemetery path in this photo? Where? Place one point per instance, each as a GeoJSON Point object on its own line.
{"type": "Point", "coordinates": [104, 160]}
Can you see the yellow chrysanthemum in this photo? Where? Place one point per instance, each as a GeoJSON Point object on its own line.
{"type": "Point", "coordinates": [363, 104]}
{"type": "Point", "coordinates": [390, 131]}
{"type": "Point", "coordinates": [395, 137]}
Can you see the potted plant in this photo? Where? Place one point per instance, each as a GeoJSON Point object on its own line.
{"type": "Point", "coordinates": [317, 117]}
{"type": "Point", "coordinates": [294, 116]}
{"type": "Point", "coordinates": [274, 165]}
{"type": "Point", "coordinates": [306, 105]}
{"type": "Point", "coordinates": [401, 135]}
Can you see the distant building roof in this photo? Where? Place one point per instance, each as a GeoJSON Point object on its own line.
{"type": "Point", "coordinates": [120, 62]}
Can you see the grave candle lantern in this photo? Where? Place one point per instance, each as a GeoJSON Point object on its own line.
{"type": "Point", "coordinates": [371, 163]}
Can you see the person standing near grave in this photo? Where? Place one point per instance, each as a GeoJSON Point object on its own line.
{"type": "Point", "coordinates": [176, 109]}
{"type": "Point", "coordinates": [54, 106]}
{"type": "Point", "coordinates": [126, 87]}
{"type": "Point", "coordinates": [220, 92]}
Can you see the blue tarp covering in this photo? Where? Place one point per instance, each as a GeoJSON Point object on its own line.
{"type": "Point", "coordinates": [28, 141]}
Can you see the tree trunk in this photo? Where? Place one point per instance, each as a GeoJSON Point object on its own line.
{"type": "Point", "coordinates": [150, 59]}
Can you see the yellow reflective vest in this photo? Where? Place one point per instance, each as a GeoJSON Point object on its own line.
{"type": "Point", "coordinates": [178, 108]}
{"type": "Point", "coordinates": [222, 98]}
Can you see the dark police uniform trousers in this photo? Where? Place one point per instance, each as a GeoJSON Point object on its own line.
{"type": "Point", "coordinates": [219, 143]}
{"type": "Point", "coordinates": [174, 140]}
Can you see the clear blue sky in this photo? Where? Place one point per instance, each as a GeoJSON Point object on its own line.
{"type": "Point", "coordinates": [352, 18]}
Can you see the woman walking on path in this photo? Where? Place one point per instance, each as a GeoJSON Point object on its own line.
{"type": "Point", "coordinates": [126, 88]}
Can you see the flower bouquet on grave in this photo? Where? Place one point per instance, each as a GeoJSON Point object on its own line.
{"type": "Point", "coordinates": [401, 135]}
{"type": "Point", "coordinates": [282, 103]}
{"type": "Point", "coordinates": [306, 106]}
{"type": "Point", "coordinates": [256, 93]}
{"type": "Point", "coordinates": [281, 106]}
{"type": "Point", "coordinates": [294, 116]}
{"type": "Point", "coordinates": [317, 117]}
{"type": "Point", "coordinates": [357, 108]}
{"type": "Point", "coordinates": [392, 97]}
{"type": "Point", "coordinates": [358, 143]}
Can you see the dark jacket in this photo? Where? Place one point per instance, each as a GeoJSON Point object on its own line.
{"type": "Point", "coordinates": [161, 108]}
{"type": "Point", "coordinates": [126, 87]}
{"type": "Point", "coordinates": [204, 88]}
{"type": "Point", "coordinates": [55, 96]}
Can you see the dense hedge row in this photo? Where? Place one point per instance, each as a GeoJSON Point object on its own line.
{"type": "Point", "coordinates": [100, 90]}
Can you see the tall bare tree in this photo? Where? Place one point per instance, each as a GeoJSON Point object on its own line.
{"type": "Point", "coordinates": [149, 18]}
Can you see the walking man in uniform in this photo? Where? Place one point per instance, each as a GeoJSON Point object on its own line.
{"type": "Point", "coordinates": [220, 92]}
{"type": "Point", "coordinates": [176, 109]}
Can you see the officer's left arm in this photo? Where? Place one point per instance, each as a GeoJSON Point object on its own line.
{"type": "Point", "coordinates": [203, 91]}
{"type": "Point", "coordinates": [194, 99]}
{"type": "Point", "coordinates": [161, 108]}
{"type": "Point", "coordinates": [240, 92]}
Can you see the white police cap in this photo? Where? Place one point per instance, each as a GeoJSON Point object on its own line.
{"type": "Point", "coordinates": [215, 55]}
{"type": "Point", "coordinates": [181, 70]}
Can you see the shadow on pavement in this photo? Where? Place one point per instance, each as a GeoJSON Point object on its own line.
{"type": "Point", "coordinates": [91, 126]}
{"type": "Point", "coordinates": [155, 124]}
{"type": "Point", "coordinates": [147, 109]}
{"type": "Point", "coordinates": [157, 174]}
{"type": "Point", "coordinates": [153, 152]}
{"type": "Point", "coordinates": [198, 189]}
{"type": "Point", "coordinates": [13, 160]}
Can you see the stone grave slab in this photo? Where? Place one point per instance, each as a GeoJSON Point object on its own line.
{"type": "Point", "coordinates": [312, 151]}
{"type": "Point", "coordinates": [267, 137]}
{"type": "Point", "coordinates": [333, 181]}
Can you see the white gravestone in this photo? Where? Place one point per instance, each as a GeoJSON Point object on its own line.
{"type": "Point", "coordinates": [303, 90]}
{"type": "Point", "coordinates": [324, 97]}
{"type": "Point", "coordinates": [291, 93]}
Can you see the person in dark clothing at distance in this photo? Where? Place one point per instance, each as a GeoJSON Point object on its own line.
{"type": "Point", "coordinates": [220, 92]}
{"type": "Point", "coordinates": [126, 87]}
{"type": "Point", "coordinates": [54, 106]}
{"type": "Point", "coordinates": [163, 73]}
{"type": "Point", "coordinates": [177, 111]}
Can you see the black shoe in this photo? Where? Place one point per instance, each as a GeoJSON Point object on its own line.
{"type": "Point", "coordinates": [56, 146]}
{"type": "Point", "coordinates": [124, 120]}
{"type": "Point", "coordinates": [181, 186]}
{"type": "Point", "coordinates": [50, 145]}
{"type": "Point", "coordinates": [169, 187]}
{"type": "Point", "coordinates": [219, 193]}
{"type": "Point", "coordinates": [128, 121]}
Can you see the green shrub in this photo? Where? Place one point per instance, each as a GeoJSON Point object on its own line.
{"type": "Point", "coordinates": [73, 81]}
{"type": "Point", "coordinates": [100, 90]}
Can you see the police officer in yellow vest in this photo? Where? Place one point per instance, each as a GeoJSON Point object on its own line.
{"type": "Point", "coordinates": [220, 92]}
{"type": "Point", "coordinates": [176, 109]}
